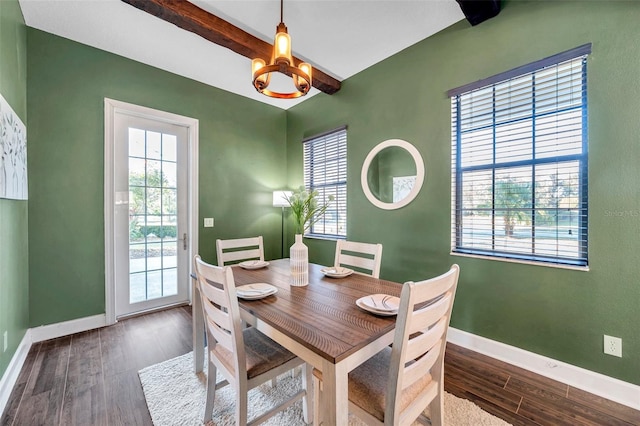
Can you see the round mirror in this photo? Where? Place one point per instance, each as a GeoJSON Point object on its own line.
{"type": "Point", "coordinates": [392, 174]}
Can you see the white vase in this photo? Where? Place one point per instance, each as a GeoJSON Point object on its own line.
{"type": "Point", "coordinates": [299, 260]}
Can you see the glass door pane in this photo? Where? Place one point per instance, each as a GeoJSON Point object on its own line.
{"type": "Point", "coordinates": [152, 215]}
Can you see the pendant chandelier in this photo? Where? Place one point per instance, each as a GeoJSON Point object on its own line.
{"type": "Point", "coordinates": [281, 61]}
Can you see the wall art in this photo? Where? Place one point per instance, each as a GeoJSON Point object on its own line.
{"type": "Point", "coordinates": [13, 147]}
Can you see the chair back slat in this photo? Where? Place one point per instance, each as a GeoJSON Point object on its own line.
{"type": "Point", "coordinates": [221, 335]}
{"type": "Point", "coordinates": [239, 249]}
{"type": "Point", "coordinates": [364, 256]}
{"type": "Point", "coordinates": [436, 287]}
{"type": "Point", "coordinates": [415, 371]}
{"type": "Point", "coordinates": [366, 248]}
{"type": "Point", "coordinates": [425, 317]}
{"type": "Point", "coordinates": [423, 342]}
{"type": "Point", "coordinates": [240, 255]}
{"type": "Point", "coordinates": [213, 291]}
{"type": "Point", "coordinates": [241, 242]}
{"type": "Point", "coordinates": [359, 262]}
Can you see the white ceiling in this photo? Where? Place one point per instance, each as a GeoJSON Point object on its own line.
{"type": "Point", "coordinates": [341, 38]}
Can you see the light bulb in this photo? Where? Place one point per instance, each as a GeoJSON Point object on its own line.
{"type": "Point", "coordinates": [262, 80]}
{"type": "Point", "coordinates": [306, 68]}
{"type": "Point", "coordinates": [283, 48]}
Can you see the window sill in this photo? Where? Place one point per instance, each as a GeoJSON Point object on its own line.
{"type": "Point", "coordinates": [323, 237]}
{"type": "Point", "coordinates": [525, 262]}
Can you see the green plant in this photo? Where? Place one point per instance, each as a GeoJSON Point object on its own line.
{"type": "Point", "coordinates": [305, 208]}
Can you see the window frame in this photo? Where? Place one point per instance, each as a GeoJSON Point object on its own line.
{"type": "Point", "coordinates": [458, 170]}
{"type": "Point", "coordinates": [336, 140]}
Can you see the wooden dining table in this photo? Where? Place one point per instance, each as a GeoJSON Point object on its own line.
{"type": "Point", "coordinates": [320, 323]}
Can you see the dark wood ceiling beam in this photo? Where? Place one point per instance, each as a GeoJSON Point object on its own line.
{"type": "Point", "coordinates": [190, 17]}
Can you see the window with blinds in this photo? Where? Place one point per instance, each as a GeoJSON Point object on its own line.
{"type": "Point", "coordinates": [519, 162]}
{"type": "Point", "coordinates": [325, 170]}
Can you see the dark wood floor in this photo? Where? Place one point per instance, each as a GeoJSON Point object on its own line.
{"type": "Point", "coordinates": [524, 398]}
{"type": "Point", "coordinates": [91, 378]}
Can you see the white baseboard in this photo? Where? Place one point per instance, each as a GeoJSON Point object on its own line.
{"type": "Point", "coordinates": [592, 382]}
{"type": "Point", "coordinates": [51, 331]}
{"type": "Point", "coordinates": [10, 376]}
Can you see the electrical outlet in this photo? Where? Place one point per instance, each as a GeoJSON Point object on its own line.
{"type": "Point", "coordinates": [208, 222]}
{"type": "Point", "coordinates": [6, 341]}
{"type": "Point", "coordinates": [613, 346]}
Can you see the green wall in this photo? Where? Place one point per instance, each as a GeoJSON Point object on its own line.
{"type": "Point", "coordinates": [14, 265]}
{"type": "Point", "coordinates": [558, 313]}
{"type": "Point", "coordinates": [242, 143]}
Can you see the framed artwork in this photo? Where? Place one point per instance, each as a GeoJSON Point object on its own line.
{"type": "Point", "coordinates": [13, 147]}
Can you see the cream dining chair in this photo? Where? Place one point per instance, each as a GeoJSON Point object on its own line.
{"type": "Point", "coordinates": [239, 249]}
{"type": "Point", "coordinates": [365, 256]}
{"type": "Point", "coordinates": [245, 357]}
{"type": "Point", "coordinates": [395, 386]}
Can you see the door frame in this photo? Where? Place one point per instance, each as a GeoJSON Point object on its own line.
{"type": "Point", "coordinates": [111, 107]}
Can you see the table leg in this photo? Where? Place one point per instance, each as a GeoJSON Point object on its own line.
{"type": "Point", "coordinates": [197, 329]}
{"type": "Point", "coordinates": [335, 394]}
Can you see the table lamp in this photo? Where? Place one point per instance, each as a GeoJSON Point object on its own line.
{"type": "Point", "coordinates": [280, 200]}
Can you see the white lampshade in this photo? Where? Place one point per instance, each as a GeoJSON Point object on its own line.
{"type": "Point", "coordinates": [279, 198]}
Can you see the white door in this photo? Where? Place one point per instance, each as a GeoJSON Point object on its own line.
{"type": "Point", "coordinates": [151, 247]}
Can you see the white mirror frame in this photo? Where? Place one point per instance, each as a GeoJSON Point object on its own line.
{"type": "Point", "coordinates": [417, 158]}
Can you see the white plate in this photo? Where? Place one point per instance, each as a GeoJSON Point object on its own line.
{"type": "Point", "coordinates": [381, 304]}
{"type": "Point", "coordinates": [373, 311]}
{"type": "Point", "coordinates": [255, 291]}
{"type": "Point", "coordinates": [253, 264]}
{"type": "Point", "coordinates": [336, 271]}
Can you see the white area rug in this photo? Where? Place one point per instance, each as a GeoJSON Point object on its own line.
{"type": "Point", "coordinates": [175, 396]}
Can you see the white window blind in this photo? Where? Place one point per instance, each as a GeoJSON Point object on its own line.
{"type": "Point", "coordinates": [519, 162]}
{"type": "Point", "coordinates": [325, 170]}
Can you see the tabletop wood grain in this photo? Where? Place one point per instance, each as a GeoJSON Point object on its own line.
{"type": "Point", "coordinates": [322, 316]}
